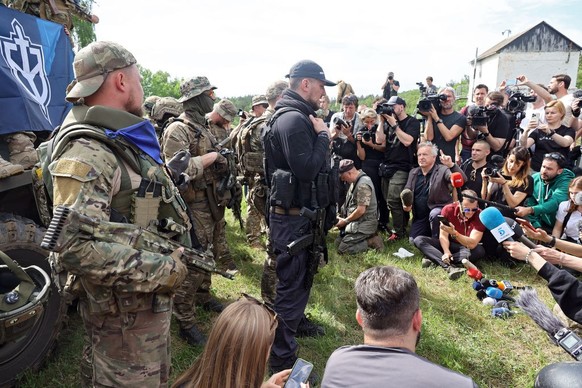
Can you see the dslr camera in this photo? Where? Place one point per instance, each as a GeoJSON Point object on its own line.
{"type": "Point", "coordinates": [385, 109]}
{"type": "Point", "coordinates": [578, 94]}
{"type": "Point", "coordinates": [431, 100]}
{"type": "Point", "coordinates": [422, 88]}
{"type": "Point", "coordinates": [339, 122]}
{"type": "Point", "coordinates": [497, 162]}
{"type": "Point", "coordinates": [480, 115]}
{"type": "Point", "coordinates": [517, 102]}
{"type": "Point", "coordinates": [367, 134]}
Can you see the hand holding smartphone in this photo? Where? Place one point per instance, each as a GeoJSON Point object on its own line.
{"type": "Point", "coordinates": [525, 223]}
{"type": "Point", "coordinates": [443, 220]}
{"type": "Point", "coordinates": [299, 374]}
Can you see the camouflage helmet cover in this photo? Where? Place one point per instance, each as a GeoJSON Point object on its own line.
{"type": "Point", "coordinates": [194, 87]}
{"type": "Point", "coordinates": [149, 103]}
{"type": "Point", "coordinates": [166, 105]}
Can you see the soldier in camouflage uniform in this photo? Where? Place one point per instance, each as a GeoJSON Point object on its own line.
{"type": "Point", "coordinates": [206, 168]}
{"type": "Point", "coordinates": [250, 156]}
{"type": "Point", "coordinates": [219, 121]}
{"type": "Point", "coordinates": [125, 294]}
{"type": "Point", "coordinates": [162, 110]}
{"type": "Point", "coordinates": [358, 223]}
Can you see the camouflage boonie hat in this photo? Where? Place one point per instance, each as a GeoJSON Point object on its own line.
{"type": "Point", "coordinates": [92, 63]}
{"type": "Point", "coordinates": [226, 109]}
{"type": "Point", "coordinates": [260, 99]}
{"type": "Point", "coordinates": [166, 105]}
{"type": "Point", "coordinates": [194, 87]}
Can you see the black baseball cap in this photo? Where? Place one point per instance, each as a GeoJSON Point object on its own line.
{"type": "Point", "coordinates": [396, 100]}
{"type": "Point", "coordinates": [308, 69]}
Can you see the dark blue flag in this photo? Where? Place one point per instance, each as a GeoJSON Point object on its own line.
{"type": "Point", "coordinates": [35, 68]}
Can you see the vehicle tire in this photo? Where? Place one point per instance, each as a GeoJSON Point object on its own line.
{"type": "Point", "coordinates": [20, 239]}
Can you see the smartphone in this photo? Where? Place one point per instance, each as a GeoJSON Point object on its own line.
{"type": "Point", "coordinates": [535, 116]}
{"type": "Point", "coordinates": [511, 82]}
{"type": "Point", "coordinates": [525, 223]}
{"type": "Point", "coordinates": [299, 374]}
{"type": "Point", "coordinates": [443, 220]}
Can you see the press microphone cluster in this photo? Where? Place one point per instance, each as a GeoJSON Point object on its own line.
{"type": "Point", "coordinates": [531, 304]}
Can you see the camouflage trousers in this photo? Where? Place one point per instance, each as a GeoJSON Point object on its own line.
{"type": "Point", "coordinates": [256, 210]}
{"type": "Point", "coordinates": [125, 349]}
{"type": "Point", "coordinates": [196, 287]}
{"type": "Point", "coordinates": [352, 243]}
{"type": "Point", "coordinates": [269, 278]}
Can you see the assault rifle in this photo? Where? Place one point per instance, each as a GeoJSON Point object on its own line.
{"type": "Point", "coordinates": [229, 182]}
{"type": "Point", "coordinates": [314, 242]}
{"type": "Point", "coordinates": [67, 223]}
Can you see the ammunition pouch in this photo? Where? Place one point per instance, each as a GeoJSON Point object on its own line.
{"type": "Point", "coordinates": [252, 163]}
{"type": "Point", "coordinates": [283, 189]}
{"type": "Point", "coordinates": [322, 189]}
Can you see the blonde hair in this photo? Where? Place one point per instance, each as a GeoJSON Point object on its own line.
{"type": "Point", "coordinates": [369, 113]}
{"type": "Point", "coordinates": [237, 349]}
{"type": "Point", "coordinates": [559, 106]}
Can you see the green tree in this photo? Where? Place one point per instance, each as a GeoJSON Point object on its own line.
{"type": "Point", "coordinates": [159, 83]}
{"type": "Point", "coordinates": [84, 31]}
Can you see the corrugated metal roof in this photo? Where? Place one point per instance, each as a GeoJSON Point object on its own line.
{"type": "Point", "coordinates": [506, 42]}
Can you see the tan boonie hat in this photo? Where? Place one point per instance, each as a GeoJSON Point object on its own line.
{"type": "Point", "coordinates": [260, 99]}
{"type": "Point", "coordinates": [194, 87]}
{"type": "Point", "coordinates": [226, 109]}
{"type": "Point", "coordinates": [346, 165]}
{"type": "Point", "coordinates": [92, 63]}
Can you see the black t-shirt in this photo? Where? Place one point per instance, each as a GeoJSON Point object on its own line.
{"type": "Point", "coordinates": [448, 147]}
{"type": "Point", "coordinates": [497, 194]}
{"type": "Point", "coordinates": [545, 145]}
{"type": "Point", "coordinates": [397, 154]}
{"type": "Point", "coordinates": [421, 209]}
{"type": "Point", "coordinates": [474, 179]}
{"type": "Point", "coordinates": [498, 127]}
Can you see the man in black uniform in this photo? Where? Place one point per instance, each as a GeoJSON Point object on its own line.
{"type": "Point", "coordinates": [297, 164]}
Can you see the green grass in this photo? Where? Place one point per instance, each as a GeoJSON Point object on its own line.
{"type": "Point", "coordinates": [458, 331]}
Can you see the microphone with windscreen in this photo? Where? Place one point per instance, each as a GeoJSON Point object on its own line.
{"type": "Point", "coordinates": [503, 228]}
{"type": "Point", "coordinates": [406, 197]}
{"type": "Point", "coordinates": [457, 181]}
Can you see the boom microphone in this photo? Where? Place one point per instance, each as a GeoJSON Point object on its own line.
{"type": "Point", "coordinates": [519, 236]}
{"type": "Point", "coordinates": [531, 304]}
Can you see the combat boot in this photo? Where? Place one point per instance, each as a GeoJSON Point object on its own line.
{"type": "Point", "coordinates": [21, 149]}
{"type": "Point", "coordinates": [307, 328]}
{"type": "Point", "coordinates": [193, 336]}
{"type": "Point", "coordinates": [8, 169]}
{"type": "Point", "coordinates": [213, 305]}
{"type": "Point", "coordinates": [375, 243]}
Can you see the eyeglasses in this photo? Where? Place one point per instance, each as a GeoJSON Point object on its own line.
{"type": "Point", "coordinates": [266, 306]}
{"type": "Point", "coordinates": [473, 175]}
{"type": "Point", "coordinates": [469, 210]}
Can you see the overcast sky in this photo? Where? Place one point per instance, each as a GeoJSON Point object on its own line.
{"type": "Point", "coordinates": [243, 46]}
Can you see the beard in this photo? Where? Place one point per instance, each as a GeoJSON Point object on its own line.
{"type": "Point", "coordinates": [134, 107]}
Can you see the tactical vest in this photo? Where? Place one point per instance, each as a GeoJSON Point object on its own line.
{"type": "Point", "coordinates": [250, 157]}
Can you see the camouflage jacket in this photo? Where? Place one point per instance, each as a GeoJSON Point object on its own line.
{"type": "Point", "coordinates": [361, 192]}
{"type": "Point", "coordinates": [87, 176]}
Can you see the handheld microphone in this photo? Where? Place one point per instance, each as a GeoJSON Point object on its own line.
{"type": "Point", "coordinates": [503, 228]}
{"type": "Point", "coordinates": [531, 304]}
{"type": "Point", "coordinates": [457, 181]}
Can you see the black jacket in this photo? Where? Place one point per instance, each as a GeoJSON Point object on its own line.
{"type": "Point", "coordinates": [296, 147]}
{"type": "Point", "coordinates": [566, 290]}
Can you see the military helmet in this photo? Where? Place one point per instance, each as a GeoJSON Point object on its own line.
{"type": "Point", "coordinates": [23, 295]}
{"type": "Point", "coordinates": [166, 107]}
{"type": "Point", "coordinates": [149, 103]}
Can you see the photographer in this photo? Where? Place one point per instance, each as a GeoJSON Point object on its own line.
{"type": "Point", "coordinates": [469, 136]}
{"type": "Point", "coordinates": [551, 137]}
{"type": "Point", "coordinates": [511, 184]}
{"type": "Point", "coordinates": [495, 125]}
{"type": "Point", "coordinates": [444, 126]}
{"type": "Point", "coordinates": [399, 158]}
{"type": "Point", "coordinates": [371, 153]}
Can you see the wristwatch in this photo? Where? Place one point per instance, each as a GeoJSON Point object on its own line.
{"type": "Point", "coordinates": [486, 134]}
{"type": "Point", "coordinates": [439, 121]}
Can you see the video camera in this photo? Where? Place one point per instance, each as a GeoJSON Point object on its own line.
{"type": "Point", "coordinates": [385, 109]}
{"type": "Point", "coordinates": [517, 102]}
{"type": "Point", "coordinates": [431, 100]}
{"type": "Point", "coordinates": [480, 115]}
{"type": "Point", "coordinates": [422, 88]}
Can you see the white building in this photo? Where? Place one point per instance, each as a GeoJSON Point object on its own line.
{"type": "Point", "coordinates": [539, 53]}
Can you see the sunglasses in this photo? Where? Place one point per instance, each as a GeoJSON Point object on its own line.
{"type": "Point", "coordinates": [468, 209]}
{"type": "Point", "coordinates": [266, 306]}
{"type": "Point", "coordinates": [555, 156]}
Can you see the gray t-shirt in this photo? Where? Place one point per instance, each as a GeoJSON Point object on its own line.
{"type": "Point", "coordinates": [375, 366]}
